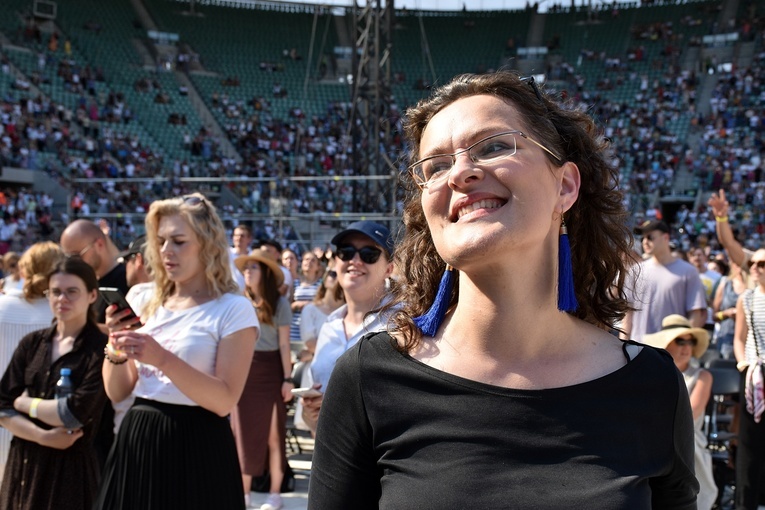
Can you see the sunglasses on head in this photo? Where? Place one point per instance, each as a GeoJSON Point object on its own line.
{"type": "Point", "coordinates": [759, 263]}
{"type": "Point", "coordinates": [367, 254]}
{"type": "Point", "coordinates": [685, 341]}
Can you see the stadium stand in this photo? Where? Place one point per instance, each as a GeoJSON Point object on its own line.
{"type": "Point", "coordinates": [105, 98]}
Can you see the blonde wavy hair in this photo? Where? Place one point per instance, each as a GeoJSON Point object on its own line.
{"type": "Point", "coordinates": [36, 265]}
{"type": "Point", "coordinates": [204, 221]}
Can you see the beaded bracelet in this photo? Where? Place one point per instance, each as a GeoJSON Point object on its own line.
{"type": "Point", "coordinates": [112, 361]}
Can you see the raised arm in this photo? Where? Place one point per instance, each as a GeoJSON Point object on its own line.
{"type": "Point", "coordinates": [720, 206]}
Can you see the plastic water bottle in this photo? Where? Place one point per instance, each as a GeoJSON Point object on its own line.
{"type": "Point", "coordinates": [64, 385]}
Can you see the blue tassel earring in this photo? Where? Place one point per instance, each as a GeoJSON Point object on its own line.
{"type": "Point", "coordinates": [429, 323]}
{"type": "Point", "coordinates": [566, 295]}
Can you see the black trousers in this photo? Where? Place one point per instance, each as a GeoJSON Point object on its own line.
{"type": "Point", "coordinates": [750, 457]}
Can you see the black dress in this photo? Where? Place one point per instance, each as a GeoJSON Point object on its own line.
{"type": "Point", "coordinates": [395, 433]}
{"type": "Point", "coordinates": [36, 476]}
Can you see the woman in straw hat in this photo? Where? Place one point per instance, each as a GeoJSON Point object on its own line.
{"type": "Point", "coordinates": [258, 421]}
{"type": "Point", "coordinates": [686, 345]}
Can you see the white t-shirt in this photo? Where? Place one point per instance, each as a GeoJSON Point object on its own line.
{"type": "Point", "coordinates": [192, 335]}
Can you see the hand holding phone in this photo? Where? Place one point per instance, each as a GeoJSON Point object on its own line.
{"type": "Point", "coordinates": [113, 296]}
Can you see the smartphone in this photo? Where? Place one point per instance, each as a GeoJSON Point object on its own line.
{"type": "Point", "coordinates": [113, 296]}
{"type": "Point", "coordinates": [306, 392]}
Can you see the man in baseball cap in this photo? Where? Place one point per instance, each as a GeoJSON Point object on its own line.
{"type": "Point", "coordinates": [661, 285]}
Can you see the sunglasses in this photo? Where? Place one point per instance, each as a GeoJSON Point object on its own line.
{"type": "Point", "coordinates": [760, 264]}
{"type": "Point", "coordinates": [685, 341]}
{"type": "Point", "coordinates": [367, 254]}
{"type": "Point", "coordinates": [331, 274]}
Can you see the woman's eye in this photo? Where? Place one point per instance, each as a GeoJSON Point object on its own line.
{"type": "Point", "coordinates": [436, 167]}
{"type": "Point", "coordinates": [494, 149]}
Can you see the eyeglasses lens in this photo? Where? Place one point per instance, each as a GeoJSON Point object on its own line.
{"type": "Point", "coordinates": [368, 254]}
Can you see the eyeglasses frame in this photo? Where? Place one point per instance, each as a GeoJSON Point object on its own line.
{"type": "Point", "coordinates": [424, 185]}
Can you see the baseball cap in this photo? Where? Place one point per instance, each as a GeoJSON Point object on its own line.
{"type": "Point", "coordinates": [651, 225]}
{"type": "Point", "coordinates": [136, 246]}
{"type": "Point", "coordinates": [373, 230]}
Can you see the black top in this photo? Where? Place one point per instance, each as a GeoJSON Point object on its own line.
{"type": "Point", "coordinates": [37, 476]}
{"type": "Point", "coordinates": [395, 433]}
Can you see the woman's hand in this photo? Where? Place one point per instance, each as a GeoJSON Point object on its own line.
{"type": "Point", "coordinates": [140, 347]}
{"type": "Point", "coordinates": [117, 321]}
{"type": "Point", "coordinates": [59, 437]}
{"type": "Point", "coordinates": [287, 388]}
{"type": "Point", "coordinates": [719, 204]}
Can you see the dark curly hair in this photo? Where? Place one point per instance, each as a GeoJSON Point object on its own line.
{"type": "Point", "coordinates": [598, 232]}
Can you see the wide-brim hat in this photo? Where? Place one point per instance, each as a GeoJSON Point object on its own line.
{"type": "Point", "coordinates": [263, 256]}
{"type": "Point", "coordinates": [373, 230]}
{"type": "Point", "coordinates": [674, 326]}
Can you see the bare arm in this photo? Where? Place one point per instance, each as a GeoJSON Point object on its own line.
{"type": "Point", "coordinates": [740, 332]}
{"type": "Point", "coordinates": [698, 317]}
{"type": "Point", "coordinates": [119, 379]}
{"type": "Point", "coordinates": [286, 356]}
{"type": "Point", "coordinates": [217, 392]}
{"type": "Point", "coordinates": [701, 393]}
{"type": "Point", "coordinates": [58, 438]}
{"type": "Point", "coordinates": [47, 410]}
{"type": "Point", "coordinates": [720, 206]}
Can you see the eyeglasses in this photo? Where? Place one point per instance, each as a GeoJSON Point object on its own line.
{"type": "Point", "coordinates": [83, 251]}
{"type": "Point", "coordinates": [367, 254]}
{"type": "Point", "coordinates": [70, 295]}
{"type": "Point", "coordinates": [433, 169]}
{"type": "Point", "coordinates": [759, 264]}
{"type": "Point", "coordinates": [682, 342]}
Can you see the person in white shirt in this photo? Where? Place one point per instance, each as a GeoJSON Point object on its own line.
{"type": "Point", "coordinates": [364, 252]}
{"type": "Point", "coordinates": [186, 366]}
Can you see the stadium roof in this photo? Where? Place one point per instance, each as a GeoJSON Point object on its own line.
{"type": "Point", "coordinates": [471, 5]}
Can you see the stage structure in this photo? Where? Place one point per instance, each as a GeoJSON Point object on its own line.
{"type": "Point", "coordinates": [370, 127]}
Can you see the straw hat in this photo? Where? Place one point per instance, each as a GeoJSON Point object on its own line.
{"type": "Point", "coordinates": [263, 256]}
{"type": "Point", "coordinates": [674, 326]}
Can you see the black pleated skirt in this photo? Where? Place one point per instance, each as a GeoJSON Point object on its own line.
{"type": "Point", "coordinates": [170, 456]}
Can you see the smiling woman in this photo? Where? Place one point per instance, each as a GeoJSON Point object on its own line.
{"type": "Point", "coordinates": [499, 385]}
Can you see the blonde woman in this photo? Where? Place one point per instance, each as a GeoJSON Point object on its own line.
{"type": "Point", "coordinates": [186, 366]}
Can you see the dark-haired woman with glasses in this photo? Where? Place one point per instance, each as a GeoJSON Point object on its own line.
{"type": "Point", "coordinates": [364, 265]}
{"type": "Point", "coordinates": [497, 383]}
{"type": "Point", "coordinates": [186, 366]}
{"type": "Point", "coordinates": [52, 462]}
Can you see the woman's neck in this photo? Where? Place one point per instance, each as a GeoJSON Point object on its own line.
{"type": "Point", "coordinates": [70, 328]}
{"type": "Point", "coordinates": [194, 288]}
{"type": "Point", "coordinates": [309, 279]}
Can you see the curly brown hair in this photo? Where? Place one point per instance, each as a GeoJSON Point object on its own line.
{"type": "Point", "coordinates": [597, 227]}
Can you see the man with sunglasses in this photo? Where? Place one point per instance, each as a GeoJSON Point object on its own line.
{"type": "Point", "coordinates": [364, 253]}
{"type": "Point", "coordinates": [661, 285]}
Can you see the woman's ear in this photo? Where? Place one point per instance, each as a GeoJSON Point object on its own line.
{"type": "Point", "coordinates": [93, 296]}
{"type": "Point", "coordinates": [570, 183]}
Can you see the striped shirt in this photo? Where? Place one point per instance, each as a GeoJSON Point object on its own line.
{"type": "Point", "coordinates": [302, 293]}
{"type": "Point", "coordinates": [754, 299]}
